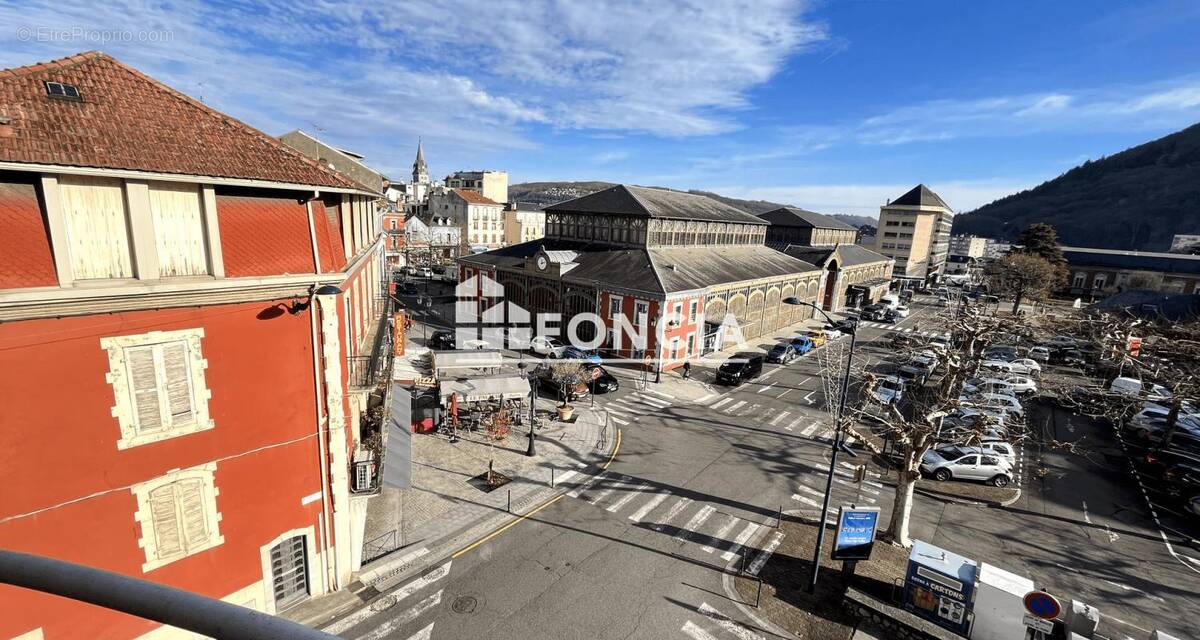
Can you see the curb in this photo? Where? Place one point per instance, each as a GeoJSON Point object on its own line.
{"type": "Point", "coordinates": [992, 504]}
{"type": "Point", "coordinates": [396, 570]}
{"type": "Point", "coordinates": [730, 574]}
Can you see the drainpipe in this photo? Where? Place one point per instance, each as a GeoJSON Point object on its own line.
{"type": "Point", "coordinates": [322, 451]}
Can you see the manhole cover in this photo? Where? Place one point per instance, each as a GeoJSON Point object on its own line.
{"type": "Point", "coordinates": [385, 602]}
{"type": "Point", "coordinates": [464, 604]}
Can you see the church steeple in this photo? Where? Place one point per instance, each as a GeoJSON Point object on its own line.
{"type": "Point", "coordinates": [420, 170]}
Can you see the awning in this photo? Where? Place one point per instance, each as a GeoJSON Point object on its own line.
{"type": "Point", "coordinates": [485, 388]}
{"type": "Point", "coordinates": [448, 364]}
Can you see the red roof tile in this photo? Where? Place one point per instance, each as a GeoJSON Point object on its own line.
{"type": "Point", "coordinates": [474, 197]}
{"type": "Point", "coordinates": [263, 236]}
{"type": "Point", "coordinates": [127, 120]}
{"type": "Point", "coordinates": [25, 260]}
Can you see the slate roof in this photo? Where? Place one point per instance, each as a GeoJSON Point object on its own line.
{"type": "Point", "coordinates": [645, 202]}
{"type": "Point", "coordinates": [920, 196]}
{"type": "Point", "coordinates": [127, 120]}
{"type": "Point", "coordinates": [1143, 260]}
{"type": "Point", "coordinates": [797, 217]}
{"type": "Point", "coordinates": [651, 270]}
{"type": "Point", "coordinates": [849, 255]}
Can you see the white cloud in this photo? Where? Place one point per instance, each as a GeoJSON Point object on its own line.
{"type": "Point", "coordinates": [865, 199]}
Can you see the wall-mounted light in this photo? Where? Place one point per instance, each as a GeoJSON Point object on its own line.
{"type": "Point", "coordinates": [324, 290]}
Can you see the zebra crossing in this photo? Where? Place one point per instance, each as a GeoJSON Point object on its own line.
{"type": "Point", "coordinates": [685, 519]}
{"type": "Point", "coordinates": [718, 623]}
{"type": "Point", "coordinates": [868, 491]}
{"type": "Point", "coordinates": [628, 409]}
{"type": "Point", "coordinates": [394, 610]}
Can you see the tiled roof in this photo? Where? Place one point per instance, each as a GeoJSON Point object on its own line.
{"type": "Point", "coordinates": [921, 196]}
{"type": "Point", "coordinates": [796, 217]}
{"type": "Point", "coordinates": [127, 120]}
{"type": "Point", "coordinates": [645, 202]}
{"type": "Point", "coordinates": [264, 236]}
{"type": "Point", "coordinates": [474, 197]}
{"type": "Point", "coordinates": [25, 260]}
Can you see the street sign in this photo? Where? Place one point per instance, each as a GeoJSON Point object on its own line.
{"type": "Point", "coordinates": [1135, 345]}
{"type": "Point", "coordinates": [1042, 605]}
{"type": "Point", "coordinates": [855, 533]}
{"type": "Point", "coordinates": [1045, 626]}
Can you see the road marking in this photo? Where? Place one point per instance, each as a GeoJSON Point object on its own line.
{"type": "Point", "coordinates": [795, 422]}
{"type": "Point", "coordinates": [717, 404]}
{"type": "Point", "coordinates": [703, 399]}
{"type": "Point", "coordinates": [728, 624]}
{"type": "Point", "coordinates": [629, 495]}
{"type": "Point", "coordinates": [624, 404]}
{"type": "Point", "coordinates": [735, 407]}
{"type": "Point", "coordinates": [574, 493]}
{"type": "Point", "coordinates": [423, 634]}
{"type": "Point", "coordinates": [765, 554]}
{"type": "Point", "coordinates": [807, 501]}
{"type": "Point", "coordinates": [566, 476]}
{"type": "Point", "coordinates": [762, 389]}
{"type": "Point", "coordinates": [776, 419]}
{"type": "Point", "coordinates": [808, 398]}
{"type": "Point", "coordinates": [637, 516]}
{"type": "Point", "coordinates": [602, 494]}
{"type": "Point", "coordinates": [659, 393]}
{"type": "Point", "coordinates": [675, 510]}
{"type": "Point", "coordinates": [785, 392]}
{"type": "Point", "coordinates": [721, 533]}
{"type": "Point", "coordinates": [399, 594]}
{"type": "Point", "coordinates": [694, 630]}
{"type": "Point", "coordinates": [847, 465]}
{"type": "Point", "coordinates": [809, 429]}
{"type": "Point", "coordinates": [695, 523]}
{"type": "Point", "coordinates": [1085, 513]}
{"type": "Point", "coordinates": [654, 402]}
{"type": "Point", "coordinates": [740, 540]}
{"type": "Point", "coordinates": [623, 423]}
{"type": "Point", "coordinates": [810, 490]}
{"type": "Point", "coordinates": [392, 624]}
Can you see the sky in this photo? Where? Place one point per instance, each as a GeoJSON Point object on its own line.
{"type": "Point", "coordinates": [835, 106]}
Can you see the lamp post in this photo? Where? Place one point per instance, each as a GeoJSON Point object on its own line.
{"type": "Point", "coordinates": [532, 407]}
{"type": "Point", "coordinates": [837, 443]}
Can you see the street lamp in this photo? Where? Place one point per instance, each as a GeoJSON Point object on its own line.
{"type": "Point", "coordinates": [532, 409]}
{"type": "Point", "coordinates": [837, 443]}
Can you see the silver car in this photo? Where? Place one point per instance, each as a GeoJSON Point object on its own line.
{"type": "Point", "coordinates": [955, 463]}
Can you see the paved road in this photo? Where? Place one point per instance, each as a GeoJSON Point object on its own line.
{"type": "Point", "coordinates": [640, 551]}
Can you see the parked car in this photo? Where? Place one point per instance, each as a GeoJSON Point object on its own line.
{"type": "Point", "coordinates": [926, 360]}
{"type": "Point", "coordinates": [424, 272]}
{"type": "Point", "coordinates": [1004, 450]}
{"type": "Point", "coordinates": [547, 383]}
{"type": "Point", "coordinates": [832, 332]}
{"type": "Point", "coordinates": [1060, 342]}
{"type": "Point", "coordinates": [975, 386]}
{"type": "Point", "coordinates": [902, 340]}
{"type": "Point", "coordinates": [999, 402]}
{"type": "Point", "coordinates": [846, 325]}
{"type": "Point", "coordinates": [1022, 385]}
{"type": "Point", "coordinates": [583, 355]}
{"type": "Point", "coordinates": [545, 346]}
{"type": "Point", "coordinates": [1068, 357]}
{"type": "Point", "coordinates": [1025, 367]}
{"type": "Point", "coordinates": [441, 340]}
{"type": "Point", "coordinates": [940, 342]}
{"type": "Point", "coordinates": [1001, 352]}
{"type": "Point", "coordinates": [802, 344]}
{"type": "Point", "coordinates": [890, 316]}
{"type": "Point", "coordinates": [1040, 354]}
{"type": "Point", "coordinates": [901, 311]}
{"type": "Point", "coordinates": [601, 380]}
{"type": "Point", "coordinates": [740, 367]}
{"type": "Point", "coordinates": [818, 337]}
{"type": "Point", "coordinates": [1133, 388]}
{"type": "Point", "coordinates": [912, 376]}
{"type": "Point", "coordinates": [958, 464]}
{"type": "Point", "coordinates": [782, 353]}
{"type": "Point", "coordinates": [889, 390]}
{"type": "Point", "coordinates": [995, 367]}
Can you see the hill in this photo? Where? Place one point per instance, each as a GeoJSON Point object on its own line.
{"type": "Point", "coordinates": [1135, 199]}
{"type": "Point", "coordinates": [544, 194]}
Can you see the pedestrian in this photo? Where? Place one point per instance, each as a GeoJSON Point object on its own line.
{"type": "Point", "coordinates": [687, 369]}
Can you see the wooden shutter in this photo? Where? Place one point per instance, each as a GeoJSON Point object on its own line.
{"type": "Point", "coordinates": [164, 519]}
{"type": "Point", "coordinates": [191, 505]}
{"type": "Point", "coordinates": [94, 214]}
{"type": "Point", "coordinates": [177, 378]}
{"type": "Point", "coordinates": [143, 384]}
{"type": "Point", "coordinates": [178, 229]}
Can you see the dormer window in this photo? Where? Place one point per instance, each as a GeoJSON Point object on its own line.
{"type": "Point", "coordinates": [63, 91]}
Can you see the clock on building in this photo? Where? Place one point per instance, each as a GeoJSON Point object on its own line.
{"type": "Point", "coordinates": [541, 263]}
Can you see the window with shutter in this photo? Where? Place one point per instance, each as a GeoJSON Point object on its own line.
{"type": "Point", "coordinates": [178, 229]}
{"type": "Point", "coordinates": [95, 218]}
{"type": "Point", "coordinates": [178, 515]}
{"type": "Point", "coordinates": [178, 382]}
{"type": "Point", "coordinates": [165, 518]}
{"type": "Point", "coordinates": [143, 379]}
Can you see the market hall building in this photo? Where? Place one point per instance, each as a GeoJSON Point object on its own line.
{"type": "Point", "coordinates": [642, 253]}
{"type": "Point", "coordinates": [852, 275]}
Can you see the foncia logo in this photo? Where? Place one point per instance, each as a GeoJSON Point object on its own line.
{"type": "Point", "coordinates": [484, 319]}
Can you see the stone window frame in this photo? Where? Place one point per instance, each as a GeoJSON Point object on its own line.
{"type": "Point", "coordinates": [206, 473]}
{"type": "Point", "coordinates": [124, 409]}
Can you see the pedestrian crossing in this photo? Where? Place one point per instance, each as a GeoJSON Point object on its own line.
{"type": "Point", "coordinates": [394, 610]}
{"type": "Point", "coordinates": [629, 409]}
{"type": "Point", "coordinates": [714, 625]}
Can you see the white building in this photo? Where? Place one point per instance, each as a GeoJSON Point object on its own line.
{"type": "Point", "coordinates": [523, 223]}
{"type": "Point", "coordinates": [480, 219]}
{"type": "Point", "coordinates": [492, 185]}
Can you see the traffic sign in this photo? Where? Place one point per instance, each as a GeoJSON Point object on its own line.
{"type": "Point", "coordinates": [1042, 605]}
{"type": "Point", "coordinates": [1045, 626]}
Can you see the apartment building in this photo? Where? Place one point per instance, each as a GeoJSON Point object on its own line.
{"type": "Point", "coordinates": [523, 223]}
{"type": "Point", "coordinates": [914, 230]}
{"type": "Point", "coordinates": [480, 218]}
{"type": "Point", "coordinates": [188, 312]}
{"type": "Point", "coordinates": [492, 185]}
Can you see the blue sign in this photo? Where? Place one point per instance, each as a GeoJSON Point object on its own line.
{"type": "Point", "coordinates": [855, 533]}
{"type": "Point", "coordinates": [1042, 605]}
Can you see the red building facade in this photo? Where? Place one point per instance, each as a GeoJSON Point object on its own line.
{"type": "Point", "coordinates": [179, 406]}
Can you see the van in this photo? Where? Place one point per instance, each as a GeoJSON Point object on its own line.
{"type": "Point", "coordinates": [740, 368]}
{"type": "Point", "coordinates": [890, 300]}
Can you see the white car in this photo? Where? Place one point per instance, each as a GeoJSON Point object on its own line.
{"type": "Point", "coordinates": [1026, 367]}
{"type": "Point", "coordinates": [975, 386]}
{"type": "Point", "coordinates": [1133, 387]}
{"type": "Point", "coordinates": [957, 464]}
{"type": "Point", "coordinates": [996, 366]}
{"type": "Point", "coordinates": [831, 333]}
{"type": "Point", "coordinates": [1004, 450]}
{"type": "Point", "coordinates": [889, 390]}
{"type": "Point", "coordinates": [1039, 354]}
{"type": "Point", "coordinates": [940, 342]}
{"type": "Point", "coordinates": [424, 272]}
{"type": "Point", "coordinates": [999, 402]}
{"type": "Point", "coordinates": [544, 346]}
{"type": "Point", "coordinates": [901, 311]}
{"type": "Point", "coordinates": [1022, 385]}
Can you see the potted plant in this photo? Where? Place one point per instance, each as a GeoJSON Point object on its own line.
{"type": "Point", "coordinates": [566, 374]}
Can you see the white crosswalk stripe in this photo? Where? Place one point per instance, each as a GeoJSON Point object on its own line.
{"type": "Point", "coordinates": [718, 403]}
{"type": "Point", "coordinates": [726, 623]}
{"type": "Point", "coordinates": [630, 494]}
{"type": "Point", "coordinates": [752, 409]}
{"type": "Point", "coordinates": [704, 398]}
{"type": "Point", "coordinates": [693, 525]}
{"type": "Point", "coordinates": [399, 594]}
{"type": "Point", "coordinates": [660, 393]}
{"type": "Point", "coordinates": [620, 421]}
{"type": "Point", "coordinates": [653, 402]}
{"type": "Point", "coordinates": [795, 422]}
{"type": "Point", "coordinates": [808, 431]}
{"type": "Point", "coordinates": [423, 634]}
{"type": "Point", "coordinates": [807, 501]}
{"type": "Point", "coordinates": [735, 407]}
{"type": "Point", "coordinates": [740, 540]}
{"type": "Point", "coordinates": [765, 554]}
{"type": "Point", "coordinates": [696, 632]}
{"type": "Point", "coordinates": [781, 416]}
{"type": "Point", "coordinates": [721, 533]}
{"type": "Point", "coordinates": [646, 508]}
{"type": "Point", "coordinates": [810, 490]}
{"type": "Point", "coordinates": [673, 511]}
{"type": "Point", "coordinates": [574, 493]}
{"type": "Point", "coordinates": [608, 488]}
{"type": "Point", "coordinates": [394, 623]}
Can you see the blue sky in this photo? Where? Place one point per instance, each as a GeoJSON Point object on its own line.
{"type": "Point", "coordinates": [834, 106]}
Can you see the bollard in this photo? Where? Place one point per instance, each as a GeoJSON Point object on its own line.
{"type": "Point", "coordinates": [551, 477]}
{"type": "Point", "coordinates": [758, 596]}
{"type": "Point", "coordinates": [779, 517]}
{"type": "Point", "coordinates": [742, 567]}
{"type": "Point", "coordinates": [510, 500]}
